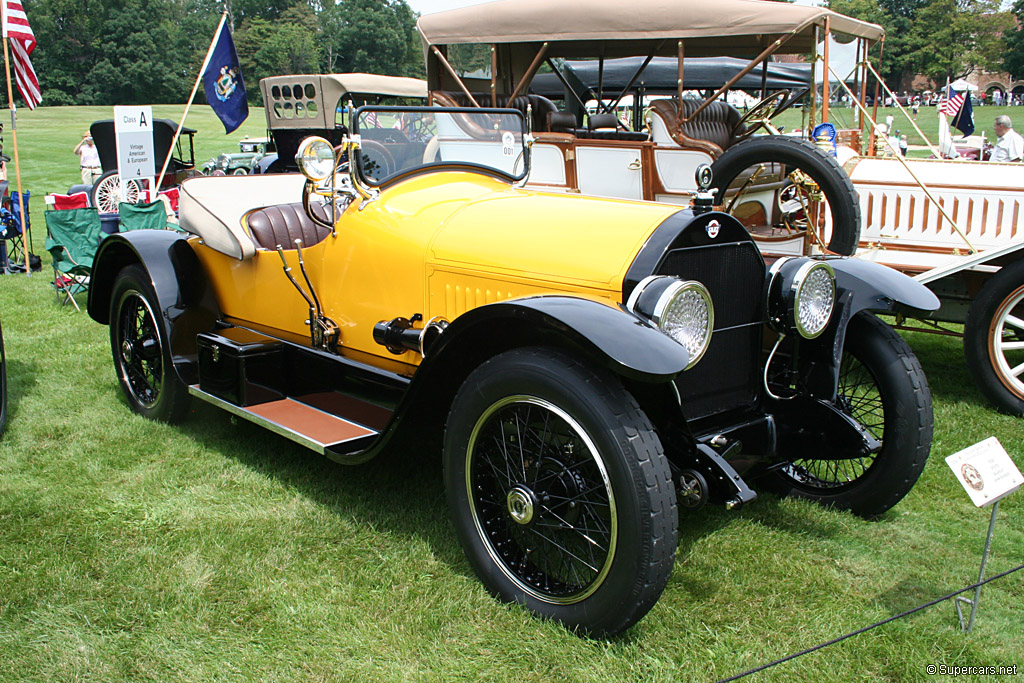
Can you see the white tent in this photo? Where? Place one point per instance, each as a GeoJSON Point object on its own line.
{"type": "Point", "coordinates": [961, 84]}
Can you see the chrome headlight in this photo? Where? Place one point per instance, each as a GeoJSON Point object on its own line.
{"type": "Point", "coordinates": [681, 309]}
{"type": "Point", "coordinates": [801, 296]}
{"type": "Point", "coordinates": [315, 158]}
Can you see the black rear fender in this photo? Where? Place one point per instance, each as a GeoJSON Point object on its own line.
{"type": "Point", "coordinates": [185, 300]}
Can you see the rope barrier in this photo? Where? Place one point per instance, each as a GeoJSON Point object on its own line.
{"type": "Point", "coordinates": [809, 650]}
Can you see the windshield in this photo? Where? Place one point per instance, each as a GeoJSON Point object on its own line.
{"type": "Point", "coordinates": [395, 140]}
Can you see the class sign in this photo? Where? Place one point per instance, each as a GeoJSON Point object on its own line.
{"type": "Point", "coordinates": [133, 128]}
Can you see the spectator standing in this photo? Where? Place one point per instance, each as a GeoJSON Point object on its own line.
{"type": "Point", "coordinates": [89, 159]}
{"type": "Point", "coordinates": [1010, 146]}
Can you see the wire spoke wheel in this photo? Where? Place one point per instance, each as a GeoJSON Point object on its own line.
{"type": "Point", "coordinates": [139, 360]}
{"type": "Point", "coordinates": [541, 499]}
{"type": "Point", "coordinates": [559, 490]}
{"type": "Point", "coordinates": [859, 397]}
{"type": "Point", "coordinates": [139, 346]}
{"type": "Point", "coordinates": [881, 386]}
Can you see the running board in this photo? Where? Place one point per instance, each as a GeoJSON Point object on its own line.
{"type": "Point", "coordinates": [298, 420]}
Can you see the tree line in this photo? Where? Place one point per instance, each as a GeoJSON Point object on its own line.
{"type": "Point", "coordinates": [942, 39]}
{"type": "Point", "coordinates": [106, 52]}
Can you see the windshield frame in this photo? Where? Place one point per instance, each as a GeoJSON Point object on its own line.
{"type": "Point", "coordinates": [443, 165]}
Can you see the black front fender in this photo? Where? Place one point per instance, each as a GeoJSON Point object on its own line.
{"type": "Point", "coordinates": [621, 341]}
{"type": "Point", "coordinates": [183, 295]}
{"type": "Point", "coordinates": [600, 333]}
{"type": "Point", "coordinates": [879, 288]}
{"type": "Point", "coordinates": [861, 287]}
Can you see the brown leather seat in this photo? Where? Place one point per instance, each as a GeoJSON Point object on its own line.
{"type": "Point", "coordinates": [715, 124]}
{"type": "Point", "coordinates": [284, 223]}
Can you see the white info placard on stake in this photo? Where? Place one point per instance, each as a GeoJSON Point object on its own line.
{"type": "Point", "coordinates": [133, 130]}
{"type": "Point", "coordinates": [985, 471]}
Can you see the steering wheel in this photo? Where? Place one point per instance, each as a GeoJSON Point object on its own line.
{"type": "Point", "coordinates": [760, 114]}
{"type": "Point", "coordinates": [376, 162]}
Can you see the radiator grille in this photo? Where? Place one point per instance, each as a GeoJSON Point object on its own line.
{"type": "Point", "coordinates": [728, 375]}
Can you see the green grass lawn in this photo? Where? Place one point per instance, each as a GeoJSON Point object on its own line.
{"type": "Point", "coordinates": [927, 121]}
{"type": "Point", "coordinates": [214, 551]}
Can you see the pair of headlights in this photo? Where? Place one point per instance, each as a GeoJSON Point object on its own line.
{"type": "Point", "coordinates": [800, 296]}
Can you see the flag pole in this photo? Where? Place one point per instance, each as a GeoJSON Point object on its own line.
{"type": "Point", "coordinates": [195, 88]}
{"type": "Point", "coordinates": [26, 232]}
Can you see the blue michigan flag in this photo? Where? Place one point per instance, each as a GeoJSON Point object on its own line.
{"type": "Point", "coordinates": [222, 81]}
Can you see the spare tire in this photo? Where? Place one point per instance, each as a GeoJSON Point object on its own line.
{"type": "Point", "coordinates": [796, 154]}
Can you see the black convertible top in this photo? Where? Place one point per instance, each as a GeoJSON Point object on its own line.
{"type": "Point", "coordinates": [163, 132]}
{"type": "Point", "coordinates": [660, 77]}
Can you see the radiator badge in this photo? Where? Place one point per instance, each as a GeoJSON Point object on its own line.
{"type": "Point", "coordinates": [713, 228]}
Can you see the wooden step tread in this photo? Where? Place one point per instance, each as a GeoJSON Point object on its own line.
{"type": "Point", "coordinates": [298, 421]}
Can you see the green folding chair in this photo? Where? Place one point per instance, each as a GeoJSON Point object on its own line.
{"type": "Point", "coordinates": [72, 238]}
{"type": "Point", "coordinates": [147, 216]}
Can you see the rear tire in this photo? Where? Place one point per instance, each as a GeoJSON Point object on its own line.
{"type": "Point", "coordinates": [799, 155]}
{"type": "Point", "coordinates": [994, 339]}
{"type": "Point", "coordinates": [142, 356]}
{"type": "Point", "coordinates": [559, 490]}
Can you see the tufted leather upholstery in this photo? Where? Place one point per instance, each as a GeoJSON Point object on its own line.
{"type": "Point", "coordinates": [715, 124]}
{"type": "Point", "coordinates": [284, 223]}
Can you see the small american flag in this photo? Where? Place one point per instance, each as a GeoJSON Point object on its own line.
{"type": "Point", "coordinates": [957, 106]}
{"type": "Point", "coordinates": [951, 105]}
{"type": "Point", "coordinates": [23, 42]}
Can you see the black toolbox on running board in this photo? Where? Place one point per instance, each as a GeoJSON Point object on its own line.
{"type": "Point", "coordinates": [240, 366]}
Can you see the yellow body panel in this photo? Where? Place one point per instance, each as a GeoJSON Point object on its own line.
{"type": "Point", "coordinates": [438, 244]}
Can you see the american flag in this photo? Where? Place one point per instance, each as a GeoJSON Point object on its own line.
{"type": "Point", "coordinates": [23, 42]}
{"type": "Point", "coordinates": [951, 105]}
{"type": "Point", "coordinates": [957, 106]}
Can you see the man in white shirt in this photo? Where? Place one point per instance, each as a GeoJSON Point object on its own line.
{"type": "Point", "coordinates": [1010, 146]}
{"type": "Point", "coordinates": [90, 159]}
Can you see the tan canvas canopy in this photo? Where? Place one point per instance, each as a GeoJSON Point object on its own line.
{"type": "Point", "coordinates": [310, 100]}
{"type": "Point", "coordinates": [722, 27]}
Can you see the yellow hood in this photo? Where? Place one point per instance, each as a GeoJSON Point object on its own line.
{"type": "Point", "coordinates": [589, 242]}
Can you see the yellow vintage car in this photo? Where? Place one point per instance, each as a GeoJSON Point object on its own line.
{"type": "Point", "coordinates": [593, 365]}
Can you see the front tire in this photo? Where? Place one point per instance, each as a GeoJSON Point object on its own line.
{"type": "Point", "coordinates": [141, 353]}
{"type": "Point", "coordinates": [798, 157]}
{"type": "Point", "coordinates": [994, 339]}
{"type": "Point", "coordinates": [882, 385]}
{"type": "Point", "coordinates": [559, 490]}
